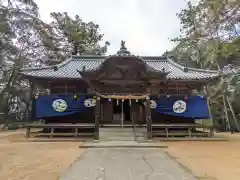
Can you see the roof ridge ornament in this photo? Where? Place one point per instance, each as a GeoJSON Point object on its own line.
{"type": "Point", "coordinates": [79, 47]}
{"type": "Point", "coordinates": [185, 69]}
{"type": "Point", "coordinates": [123, 50]}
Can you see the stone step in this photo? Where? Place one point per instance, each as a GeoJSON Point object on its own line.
{"type": "Point", "coordinates": [122, 134]}
{"type": "Point", "coordinates": [123, 144]}
{"type": "Point", "coordinates": [144, 130]}
{"type": "Point", "coordinates": [116, 135]}
{"type": "Point", "coordinates": [118, 139]}
{"type": "Point", "coordinates": [115, 129]}
{"type": "Point", "coordinates": [122, 137]}
{"type": "Point", "coordinates": [140, 138]}
{"type": "Point", "coordinates": [116, 132]}
{"type": "Point", "coordinates": [141, 130]}
{"type": "Point", "coordinates": [141, 134]}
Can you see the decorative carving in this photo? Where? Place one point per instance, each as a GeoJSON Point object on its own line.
{"type": "Point", "coordinates": [123, 43]}
{"type": "Point", "coordinates": [185, 69]}
{"type": "Point", "coordinates": [55, 68]}
{"type": "Point", "coordinates": [79, 47]}
{"type": "Point", "coordinates": [123, 70]}
{"type": "Point", "coordinates": [120, 75]}
{"type": "Point", "coordinates": [123, 50]}
{"type": "Point", "coordinates": [117, 74]}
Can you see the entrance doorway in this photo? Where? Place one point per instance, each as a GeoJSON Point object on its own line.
{"type": "Point", "coordinates": [121, 111]}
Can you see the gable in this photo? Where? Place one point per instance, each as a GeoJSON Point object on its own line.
{"type": "Point", "coordinates": [116, 75]}
{"type": "Point", "coordinates": [118, 68]}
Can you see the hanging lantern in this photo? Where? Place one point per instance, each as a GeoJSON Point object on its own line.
{"type": "Point", "coordinates": [36, 96]}
{"type": "Point", "coordinates": [130, 102]}
{"type": "Point", "coordinates": [136, 100]}
{"type": "Point", "coordinates": [122, 100]}
{"type": "Point", "coordinates": [75, 97]}
{"type": "Point", "coordinates": [117, 102]}
{"type": "Point", "coordinates": [109, 99]}
{"type": "Point", "coordinates": [48, 91]}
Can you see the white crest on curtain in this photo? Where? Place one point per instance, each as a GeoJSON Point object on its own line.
{"type": "Point", "coordinates": [90, 102]}
{"type": "Point", "coordinates": [153, 104]}
{"type": "Point", "coordinates": [59, 105]}
{"type": "Point", "coordinates": [179, 106]}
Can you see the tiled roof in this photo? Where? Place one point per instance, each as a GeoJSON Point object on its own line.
{"type": "Point", "coordinates": [68, 69]}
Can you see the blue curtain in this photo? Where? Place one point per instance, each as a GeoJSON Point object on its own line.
{"type": "Point", "coordinates": [43, 105]}
{"type": "Point", "coordinates": [196, 106]}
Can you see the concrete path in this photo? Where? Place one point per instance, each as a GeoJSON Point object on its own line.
{"type": "Point", "coordinates": [126, 164]}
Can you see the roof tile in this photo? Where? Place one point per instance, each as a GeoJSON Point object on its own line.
{"type": "Point", "coordinates": [68, 69]}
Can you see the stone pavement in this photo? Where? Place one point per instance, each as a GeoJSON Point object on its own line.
{"type": "Point", "coordinates": [123, 144]}
{"type": "Point", "coordinates": [125, 164]}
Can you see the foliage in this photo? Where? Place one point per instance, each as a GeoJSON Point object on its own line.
{"type": "Point", "coordinates": [74, 35]}
{"type": "Point", "coordinates": [210, 29]}
{"type": "Point", "coordinates": [20, 46]}
{"type": "Point", "coordinates": [27, 41]}
{"type": "Point", "coordinates": [210, 39]}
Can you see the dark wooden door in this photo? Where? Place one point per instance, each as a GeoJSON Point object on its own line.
{"type": "Point", "coordinates": [106, 112]}
{"type": "Point", "coordinates": [138, 113]}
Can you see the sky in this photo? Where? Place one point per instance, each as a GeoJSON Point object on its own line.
{"type": "Point", "coordinates": [146, 25]}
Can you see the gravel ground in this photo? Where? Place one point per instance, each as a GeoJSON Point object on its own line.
{"type": "Point", "coordinates": [22, 160]}
{"type": "Point", "coordinates": [209, 160]}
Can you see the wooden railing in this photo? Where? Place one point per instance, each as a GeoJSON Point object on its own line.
{"type": "Point", "coordinates": [189, 130]}
{"type": "Point", "coordinates": [52, 127]}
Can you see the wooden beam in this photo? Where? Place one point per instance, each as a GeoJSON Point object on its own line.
{"type": "Point", "coordinates": [63, 87]}
{"type": "Point", "coordinates": [114, 82]}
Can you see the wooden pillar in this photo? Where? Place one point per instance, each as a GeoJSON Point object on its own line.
{"type": "Point", "coordinates": [52, 132]}
{"type": "Point", "coordinates": [149, 119]}
{"type": "Point", "coordinates": [101, 114]}
{"type": "Point", "coordinates": [97, 118]}
{"type": "Point", "coordinates": [75, 132]}
{"type": "Point", "coordinates": [28, 129]}
{"type": "Point", "coordinates": [32, 111]}
{"type": "Point", "coordinates": [209, 105]}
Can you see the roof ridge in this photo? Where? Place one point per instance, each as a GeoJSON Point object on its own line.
{"type": "Point", "coordinates": [77, 57]}
{"type": "Point", "coordinates": [145, 58]}
{"type": "Point", "coordinates": [189, 68]}
{"type": "Point", "coordinates": [154, 58]}
{"type": "Point", "coordinates": [106, 58]}
{"type": "Point", "coordinates": [63, 63]}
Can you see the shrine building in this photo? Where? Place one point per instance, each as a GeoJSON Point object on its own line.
{"type": "Point", "coordinates": [121, 90]}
